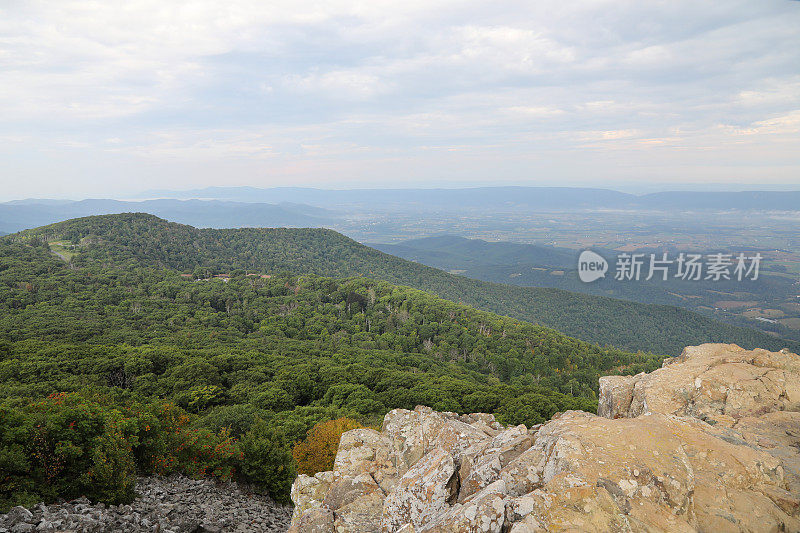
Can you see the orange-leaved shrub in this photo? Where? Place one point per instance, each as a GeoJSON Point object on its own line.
{"type": "Point", "coordinates": [318, 451]}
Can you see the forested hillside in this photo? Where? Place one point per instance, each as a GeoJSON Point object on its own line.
{"type": "Point", "coordinates": [111, 364]}
{"type": "Point", "coordinates": [132, 345]}
{"type": "Point", "coordinates": [140, 238]}
{"type": "Point", "coordinates": [451, 252]}
{"type": "Point", "coordinates": [530, 265]}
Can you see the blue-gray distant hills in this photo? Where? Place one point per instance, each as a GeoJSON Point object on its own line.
{"type": "Point", "coordinates": [218, 207]}
{"type": "Point", "coordinates": [32, 213]}
{"type": "Point", "coordinates": [501, 197]}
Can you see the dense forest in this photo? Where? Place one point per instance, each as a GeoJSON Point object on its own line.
{"type": "Point", "coordinates": [137, 239]}
{"type": "Point", "coordinates": [547, 266]}
{"type": "Point", "coordinates": [122, 350]}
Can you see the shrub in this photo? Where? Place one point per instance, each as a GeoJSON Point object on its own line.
{"type": "Point", "coordinates": [66, 446]}
{"type": "Point", "coordinates": [112, 474]}
{"type": "Point", "coordinates": [318, 451]}
{"type": "Point", "coordinates": [169, 444]}
{"type": "Point", "coordinates": [266, 461]}
{"type": "Point", "coordinates": [73, 444]}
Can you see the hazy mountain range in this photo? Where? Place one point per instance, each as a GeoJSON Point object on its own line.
{"type": "Point", "coordinates": [24, 214]}
{"type": "Point", "coordinates": [541, 197]}
{"type": "Point", "coordinates": [217, 207]}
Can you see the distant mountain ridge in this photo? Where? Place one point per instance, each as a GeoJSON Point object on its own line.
{"type": "Point", "coordinates": [503, 196]}
{"type": "Point", "coordinates": [145, 239]}
{"type": "Point", "coordinates": [31, 213]}
{"type": "Point", "coordinates": [225, 207]}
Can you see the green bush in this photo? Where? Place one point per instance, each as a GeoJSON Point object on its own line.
{"type": "Point", "coordinates": [112, 474]}
{"type": "Point", "coordinates": [73, 444]}
{"type": "Point", "coordinates": [267, 461]}
{"type": "Point", "coordinates": [66, 446]}
{"type": "Point", "coordinates": [239, 418]}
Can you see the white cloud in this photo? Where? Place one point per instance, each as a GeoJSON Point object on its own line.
{"type": "Point", "coordinates": [249, 84]}
{"type": "Point", "coordinates": [345, 84]}
{"type": "Point", "coordinates": [788, 124]}
{"type": "Point", "coordinates": [534, 111]}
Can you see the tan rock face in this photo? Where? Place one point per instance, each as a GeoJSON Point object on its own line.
{"type": "Point", "coordinates": [483, 511]}
{"type": "Point", "coordinates": [412, 434]}
{"type": "Point", "coordinates": [481, 464]}
{"type": "Point", "coordinates": [524, 474]}
{"type": "Point", "coordinates": [712, 382]}
{"type": "Point", "coordinates": [347, 489]}
{"type": "Point", "coordinates": [422, 493]}
{"type": "Point", "coordinates": [710, 442]}
{"type": "Point", "coordinates": [755, 393]}
{"type": "Point", "coordinates": [318, 520]}
{"type": "Point", "coordinates": [367, 451]}
{"type": "Point", "coordinates": [362, 515]}
{"type": "Point", "coordinates": [308, 492]}
{"type": "Point", "coordinates": [657, 471]}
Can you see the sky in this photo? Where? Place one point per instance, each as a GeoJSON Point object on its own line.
{"type": "Point", "coordinates": [110, 98]}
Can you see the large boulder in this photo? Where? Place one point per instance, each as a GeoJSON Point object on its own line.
{"type": "Point", "coordinates": [718, 383]}
{"type": "Point", "coordinates": [414, 433]}
{"type": "Point", "coordinates": [347, 489]}
{"type": "Point", "coordinates": [413, 460]}
{"type": "Point", "coordinates": [308, 492]}
{"type": "Point", "coordinates": [755, 393]}
{"type": "Point", "coordinates": [483, 511]}
{"type": "Point", "coordinates": [524, 474]}
{"type": "Point", "coordinates": [481, 464]}
{"type": "Point", "coordinates": [367, 451]}
{"type": "Point", "coordinates": [362, 515]}
{"type": "Point", "coordinates": [656, 472]}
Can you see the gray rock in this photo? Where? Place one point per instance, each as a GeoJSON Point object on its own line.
{"type": "Point", "coordinates": [18, 514]}
{"type": "Point", "coordinates": [173, 504]}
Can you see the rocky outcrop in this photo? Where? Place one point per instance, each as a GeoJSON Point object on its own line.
{"type": "Point", "coordinates": [718, 383]}
{"type": "Point", "coordinates": [709, 442]}
{"type": "Point", "coordinates": [751, 396]}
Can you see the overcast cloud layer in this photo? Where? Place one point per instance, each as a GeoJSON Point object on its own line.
{"type": "Point", "coordinates": [103, 98]}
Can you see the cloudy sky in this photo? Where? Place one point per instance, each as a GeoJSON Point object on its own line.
{"type": "Point", "coordinates": [106, 98]}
